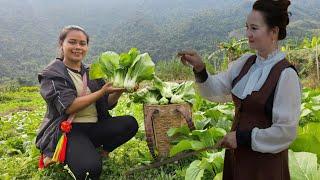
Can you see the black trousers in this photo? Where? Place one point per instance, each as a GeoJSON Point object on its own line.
{"type": "Point", "coordinates": [82, 156]}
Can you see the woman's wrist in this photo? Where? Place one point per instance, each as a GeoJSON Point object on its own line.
{"type": "Point", "coordinates": [244, 138]}
{"type": "Point", "coordinates": [100, 93]}
{"type": "Point", "coordinates": [201, 76]}
{"type": "Point", "coordinates": [199, 68]}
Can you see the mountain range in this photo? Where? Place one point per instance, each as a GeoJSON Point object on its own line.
{"type": "Point", "coordinates": [29, 29]}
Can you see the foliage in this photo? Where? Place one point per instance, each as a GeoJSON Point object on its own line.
{"type": "Point", "coordinates": [308, 139]}
{"type": "Point", "coordinates": [18, 99]}
{"type": "Point", "coordinates": [174, 70]}
{"type": "Point", "coordinates": [165, 93]}
{"type": "Point", "coordinates": [310, 107]}
{"type": "Point", "coordinates": [19, 157]}
{"type": "Point", "coordinates": [303, 165]}
{"type": "Point", "coordinates": [125, 70]}
{"type": "Point", "coordinates": [160, 28]}
{"type": "Point", "coordinates": [305, 57]}
{"type": "Point", "coordinates": [207, 134]}
{"type": "Point", "coordinates": [209, 115]}
{"type": "Point", "coordinates": [230, 51]}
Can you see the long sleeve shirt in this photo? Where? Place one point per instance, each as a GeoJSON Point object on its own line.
{"type": "Point", "coordinates": [286, 105]}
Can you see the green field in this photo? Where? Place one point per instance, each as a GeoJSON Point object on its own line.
{"type": "Point", "coordinates": [23, 110]}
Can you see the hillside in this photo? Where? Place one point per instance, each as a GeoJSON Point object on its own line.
{"type": "Point", "coordinates": [29, 28]}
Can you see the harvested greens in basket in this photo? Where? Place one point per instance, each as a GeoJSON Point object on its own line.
{"type": "Point", "coordinates": [162, 93]}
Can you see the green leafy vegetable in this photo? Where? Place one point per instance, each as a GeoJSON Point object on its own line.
{"type": "Point", "coordinates": [124, 70]}
{"type": "Point", "coordinates": [167, 92]}
{"type": "Point", "coordinates": [303, 165]}
{"type": "Point", "coordinates": [141, 69]}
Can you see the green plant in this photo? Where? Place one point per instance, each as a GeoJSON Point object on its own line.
{"type": "Point", "coordinates": [125, 70]}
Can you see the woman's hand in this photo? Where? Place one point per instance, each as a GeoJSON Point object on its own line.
{"type": "Point", "coordinates": [84, 101]}
{"type": "Point", "coordinates": [115, 95]}
{"type": "Point", "coordinates": [191, 57]}
{"type": "Point", "coordinates": [108, 88]}
{"type": "Point", "coordinates": [229, 141]}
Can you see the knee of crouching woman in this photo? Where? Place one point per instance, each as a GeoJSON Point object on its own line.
{"type": "Point", "coordinates": [132, 125]}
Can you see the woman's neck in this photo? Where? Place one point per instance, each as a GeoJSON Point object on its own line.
{"type": "Point", "coordinates": [72, 64]}
{"type": "Point", "coordinates": [266, 52]}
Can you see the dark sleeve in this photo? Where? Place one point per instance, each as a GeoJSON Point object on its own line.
{"type": "Point", "coordinates": [243, 138]}
{"type": "Point", "coordinates": [201, 76]}
{"type": "Point", "coordinates": [113, 106]}
{"type": "Point", "coordinates": [58, 93]}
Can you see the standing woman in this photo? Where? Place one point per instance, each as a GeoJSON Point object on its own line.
{"type": "Point", "coordinates": [266, 92]}
{"type": "Point", "coordinates": [67, 90]}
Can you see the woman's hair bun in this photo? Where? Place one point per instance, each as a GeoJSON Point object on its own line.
{"type": "Point", "coordinates": [275, 13]}
{"type": "Point", "coordinates": [282, 4]}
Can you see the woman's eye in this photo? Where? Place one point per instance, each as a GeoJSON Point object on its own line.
{"type": "Point", "coordinates": [83, 43]}
{"type": "Point", "coordinates": [72, 42]}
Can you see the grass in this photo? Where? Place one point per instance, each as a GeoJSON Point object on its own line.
{"type": "Point", "coordinates": [25, 98]}
{"type": "Point", "coordinates": [19, 156]}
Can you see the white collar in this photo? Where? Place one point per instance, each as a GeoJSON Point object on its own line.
{"type": "Point", "coordinates": [261, 61]}
{"type": "Point", "coordinates": [257, 74]}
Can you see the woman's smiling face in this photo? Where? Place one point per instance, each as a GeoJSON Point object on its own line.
{"type": "Point", "coordinates": [75, 46]}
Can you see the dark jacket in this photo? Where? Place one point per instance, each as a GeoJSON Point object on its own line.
{"type": "Point", "coordinates": [58, 90]}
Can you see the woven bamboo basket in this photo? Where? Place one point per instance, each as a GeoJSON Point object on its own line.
{"type": "Point", "coordinates": [158, 119]}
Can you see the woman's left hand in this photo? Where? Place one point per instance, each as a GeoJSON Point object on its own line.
{"type": "Point", "coordinates": [229, 141]}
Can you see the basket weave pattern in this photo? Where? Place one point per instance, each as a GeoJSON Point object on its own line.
{"type": "Point", "coordinates": [159, 119]}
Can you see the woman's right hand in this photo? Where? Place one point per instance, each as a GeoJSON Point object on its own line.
{"type": "Point", "coordinates": [191, 57]}
{"type": "Point", "coordinates": [108, 88]}
{"type": "Point", "coordinates": [84, 101]}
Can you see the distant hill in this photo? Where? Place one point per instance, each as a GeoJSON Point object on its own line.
{"type": "Point", "coordinates": [29, 28]}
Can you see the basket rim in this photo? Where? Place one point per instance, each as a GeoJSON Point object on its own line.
{"type": "Point", "coordinates": [165, 105]}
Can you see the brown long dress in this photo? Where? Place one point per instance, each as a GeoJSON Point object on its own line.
{"type": "Point", "coordinates": [243, 163]}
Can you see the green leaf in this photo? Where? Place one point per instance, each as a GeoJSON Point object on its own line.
{"type": "Point", "coordinates": [163, 101]}
{"type": "Point", "coordinates": [165, 88]}
{"type": "Point", "coordinates": [125, 61]}
{"type": "Point", "coordinates": [96, 71]}
{"type": "Point", "coordinates": [217, 159]}
{"type": "Point", "coordinates": [316, 99]}
{"type": "Point", "coordinates": [316, 107]}
{"type": "Point", "coordinates": [225, 109]}
{"type": "Point", "coordinates": [213, 113]}
{"type": "Point", "coordinates": [314, 42]}
{"type": "Point", "coordinates": [218, 176]}
{"type": "Point", "coordinates": [180, 130]}
{"type": "Point", "coordinates": [134, 52]}
{"type": "Point", "coordinates": [209, 136]}
{"type": "Point", "coordinates": [194, 171]}
{"type": "Point", "coordinates": [303, 165]}
{"type": "Point", "coordinates": [186, 145]}
{"type": "Point", "coordinates": [183, 93]}
{"type": "Point", "coordinates": [205, 164]}
{"type": "Point", "coordinates": [308, 139]}
{"type": "Point", "coordinates": [312, 129]}
{"type": "Point", "coordinates": [305, 112]}
{"type": "Point", "coordinates": [181, 146]}
{"type": "Point", "coordinates": [141, 69]}
{"type": "Point", "coordinates": [200, 124]}
{"type": "Point", "coordinates": [145, 96]}
{"type": "Point", "coordinates": [110, 61]}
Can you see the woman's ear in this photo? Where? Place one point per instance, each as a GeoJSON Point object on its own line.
{"type": "Point", "coordinates": [275, 32]}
